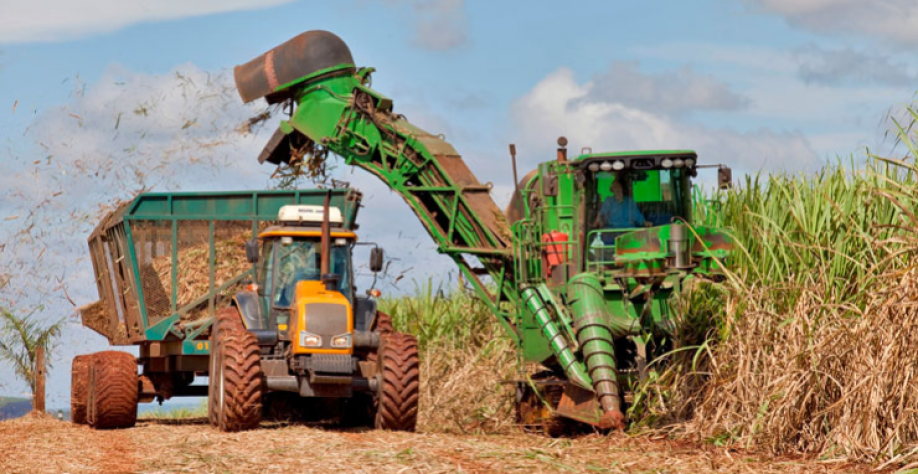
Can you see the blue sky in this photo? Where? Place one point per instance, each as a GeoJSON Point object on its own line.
{"type": "Point", "coordinates": [103, 97]}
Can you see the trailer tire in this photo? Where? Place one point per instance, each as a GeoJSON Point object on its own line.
{"type": "Point", "coordinates": [241, 381]}
{"type": "Point", "coordinates": [113, 390]}
{"type": "Point", "coordinates": [226, 319]}
{"type": "Point", "coordinates": [398, 375]}
{"type": "Point", "coordinates": [79, 381]}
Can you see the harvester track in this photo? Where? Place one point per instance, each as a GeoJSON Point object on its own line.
{"type": "Point", "coordinates": [399, 383]}
{"type": "Point", "coordinates": [113, 390]}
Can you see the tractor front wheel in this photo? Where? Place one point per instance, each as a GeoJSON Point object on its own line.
{"type": "Point", "coordinates": [240, 381]}
{"type": "Point", "coordinates": [398, 383]}
{"type": "Point", "coordinates": [113, 390]}
{"type": "Point", "coordinates": [226, 319]}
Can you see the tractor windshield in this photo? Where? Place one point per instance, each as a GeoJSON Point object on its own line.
{"type": "Point", "coordinates": [624, 200]}
{"type": "Point", "coordinates": [292, 261]}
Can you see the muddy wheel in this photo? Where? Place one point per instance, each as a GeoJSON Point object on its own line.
{"type": "Point", "coordinates": [226, 319]}
{"type": "Point", "coordinates": [398, 376]}
{"type": "Point", "coordinates": [240, 381]}
{"type": "Point", "coordinates": [112, 401]}
{"type": "Point", "coordinates": [79, 382]}
{"type": "Point", "coordinates": [383, 326]}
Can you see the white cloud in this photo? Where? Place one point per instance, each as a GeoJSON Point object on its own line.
{"type": "Point", "coordinates": [848, 66]}
{"type": "Point", "coordinates": [439, 25]}
{"type": "Point", "coordinates": [559, 105]}
{"type": "Point", "coordinates": [676, 92]}
{"type": "Point", "coordinates": [55, 20]}
{"type": "Point", "coordinates": [894, 20]}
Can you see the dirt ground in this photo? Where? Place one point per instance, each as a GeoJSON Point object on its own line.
{"type": "Point", "coordinates": [43, 444]}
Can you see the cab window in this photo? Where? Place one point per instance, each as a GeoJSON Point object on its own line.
{"type": "Point", "coordinates": [300, 260]}
{"type": "Point", "coordinates": [634, 199]}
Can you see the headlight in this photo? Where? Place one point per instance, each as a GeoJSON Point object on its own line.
{"type": "Point", "coordinates": [310, 340]}
{"type": "Point", "coordinates": [605, 166]}
{"type": "Point", "coordinates": [618, 165]}
{"type": "Point", "coordinates": [594, 167]}
{"type": "Point", "coordinates": [343, 341]}
{"type": "Point", "coordinates": [689, 162]}
{"type": "Point", "coordinates": [666, 163]}
{"type": "Point", "coordinates": [678, 162]}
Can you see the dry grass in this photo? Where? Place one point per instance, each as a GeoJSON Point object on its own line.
{"type": "Point", "coordinates": [464, 389]}
{"type": "Point", "coordinates": [42, 444]}
{"type": "Point", "coordinates": [812, 349]}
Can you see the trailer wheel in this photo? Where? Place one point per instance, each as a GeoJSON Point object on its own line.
{"type": "Point", "coordinates": [398, 375]}
{"type": "Point", "coordinates": [226, 319]}
{"type": "Point", "coordinates": [79, 380]}
{"type": "Point", "coordinates": [241, 381]}
{"type": "Point", "coordinates": [113, 390]}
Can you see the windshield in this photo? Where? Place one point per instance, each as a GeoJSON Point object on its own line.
{"type": "Point", "coordinates": [630, 199]}
{"type": "Point", "coordinates": [300, 260]}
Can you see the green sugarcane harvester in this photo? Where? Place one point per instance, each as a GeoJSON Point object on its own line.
{"type": "Point", "coordinates": [583, 263]}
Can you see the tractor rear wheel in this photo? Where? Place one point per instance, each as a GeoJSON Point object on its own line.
{"type": "Point", "coordinates": [225, 319]}
{"type": "Point", "coordinates": [112, 390]}
{"type": "Point", "coordinates": [79, 380]}
{"type": "Point", "coordinates": [398, 375]}
{"type": "Point", "coordinates": [240, 381]}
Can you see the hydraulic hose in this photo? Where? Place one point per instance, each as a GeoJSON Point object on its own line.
{"type": "Point", "coordinates": [594, 334]}
{"type": "Point", "coordinates": [558, 344]}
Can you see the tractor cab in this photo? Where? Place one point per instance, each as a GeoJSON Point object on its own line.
{"type": "Point", "coordinates": [298, 295]}
{"type": "Point", "coordinates": [292, 253]}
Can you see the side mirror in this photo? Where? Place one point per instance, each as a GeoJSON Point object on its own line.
{"type": "Point", "coordinates": [376, 259]}
{"type": "Point", "coordinates": [251, 251]}
{"type": "Point", "coordinates": [724, 178]}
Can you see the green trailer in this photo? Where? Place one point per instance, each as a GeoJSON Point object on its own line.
{"type": "Point", "coordinates": [164, 264]}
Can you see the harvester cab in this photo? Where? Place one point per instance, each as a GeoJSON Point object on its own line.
{"type": "Point", "coordinates": [631, 191]}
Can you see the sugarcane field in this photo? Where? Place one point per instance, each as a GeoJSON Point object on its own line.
{"type": "Point", "coordinates": [459, 236]}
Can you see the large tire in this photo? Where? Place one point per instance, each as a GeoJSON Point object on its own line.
{"type": "Point", "coordinates": [113, 390]}
{"type": "Point", "coordinates": [79, 383]}
{"type": "Point", "coordinates": [226, 319]}
{"type": "Point", "coordinates": [383, 326]}
{"type": "Point", "coordinates": [399, 378]}
{"type": "Point", "coordinates": [241, 381]}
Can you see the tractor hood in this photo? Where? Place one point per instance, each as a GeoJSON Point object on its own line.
{"type": "Point", "coordinates": [655, 250]}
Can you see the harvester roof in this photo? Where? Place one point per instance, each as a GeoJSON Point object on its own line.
{"type": "Point", "coordinates": [638, 160]}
